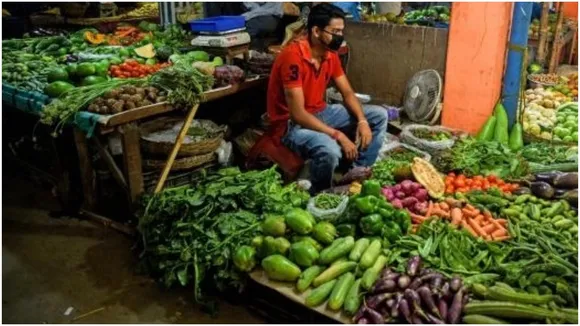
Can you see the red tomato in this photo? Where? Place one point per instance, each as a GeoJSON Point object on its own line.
{"type": "Point", "coordinates": [491, 178]}
{"type": "Point", "coordinates": [476, 188]}
{"type": "Point", "coordinates": [450, 189]}
{"type": "Point", "coordinates": [459, 183]}
{"type": "Point", "coordinates": [462, 190]}
{"type": "Point", "coordinates": [468, 182]}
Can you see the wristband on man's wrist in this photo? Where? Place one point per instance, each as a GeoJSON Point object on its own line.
{"type": "Point", "coordinates": [363, 121]}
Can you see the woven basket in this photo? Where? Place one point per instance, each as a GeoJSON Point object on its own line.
{"type": "Point", "coordinates": [529, 138]}
{"type": "Point", "coordinates": [205, 146]}
{"type": "Point", "coordinates": [184, 163]}
{"type": "Point", "coordinates": [75, 10]}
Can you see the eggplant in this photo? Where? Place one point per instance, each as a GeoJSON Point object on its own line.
{"type": "Point", "coordinates": [413, 265]}
{"type": "Point", "coordinates": [456, 307]}
{"type": "Point", "coordinates": [403, 282]}
{"type": "Point", "coordinates": [360, 313]}
{"type": "Point", "coordinates": [566, 180]}
{"type": "Point", "coordinates": [386, 272]}
{"type": "Point", "coordinates": [417, 281]}
{"type": "Point", "coordinates": [385, 286]}
{"type": "Point", "coordinates": [433, 320]}
{"type": "Point", "coordinates": [413, 298]}
{"type": "Point", "coordinates": [455, 284]}
{"type": "Point", "coordinates": [571, 196]}
{"type": "Point", "coordinates": [416, 319]}
{"type": "Point", "coordinates": [436, 284]}
{"type": "Point", "coordinates": [363, 321]}
{"type": "Point", "coordinates": [425, 271]}
{"type": "Point", "coordinates": [375, 301]}
{"type": "Point", "coordinates": [390, 276]}
{"type": "Point", "coordinates": [446, 292]}
{"type": "Point", "coordinates": [395, 307]}
{"type": "Point", "coordinates": [522, 191]}
{"type": "Point", "coordinates": [404, 310]}
{"type": "Point", "coordinates": [547, 176]}
{"type": "Point", "coordinates": [375, 317]}
{"type": "Point", "coordinates": [542, 189]}
{"type": "Point", "coordinates": [443, 309]}
{"type": "Point", "coordinates": [427, 298]}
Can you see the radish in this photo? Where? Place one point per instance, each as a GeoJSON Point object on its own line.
{"type": "Point", "coordinates": [406, 187]}
{"type": "Point", "coordinates": [397, 203]}
{"type": "Point", "coordinates": [400, 195]}
{"type": "Point", "coordinates": [421, 194]}
{"type": "Point", "coordinates": [388, 193]}
{"type": "Point", "coordinates": [409, 202]}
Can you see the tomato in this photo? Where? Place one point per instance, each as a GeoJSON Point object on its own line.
{"type": "Point", "coordinates": [462, 190]}
{"type": "Point", "coordinates": [459, 183]}
{"type": "Point", "coordinates": [450, 189]}
{"type": "Point", "coordinates": [477, 183]}
{"type": "Point", "coordinates": [476, 188]}
{"type": "Point", "coordinates": [478, 178]}
{"type": "Point", "coordinates": [491, 178]}
{"type": "Point", "coordinates": [468, 182]}
{"type": "Point", "coordinates": [500, 182]}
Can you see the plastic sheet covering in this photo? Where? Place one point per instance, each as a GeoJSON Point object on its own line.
{"type": "Point", "coordinates": [407, 136]}
{"type": "Point", "coordinates": [327, 214]}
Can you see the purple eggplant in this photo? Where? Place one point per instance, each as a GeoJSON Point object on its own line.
{"type": "Point", "coordinates": [433, 320]}
{"type": "Point", "coordinates": [386, 271]}
{"type": "Point", "coordinates": [417, 281]}
{"type": "Point", "coordinates": [415, 319]}
{"type": "Point", "coordinates": [443, 309]}
{"type": "Point", "coordinates": [388, 274]}
{"type": "Point", "coordinates": [375, 301]}
{"type": "Point", "coordinates": [404, 310]}
{"type": "Point", "coordinates": [413, 265]}
{"type": "Point", "coordinates": [445, 293]}
{"type": "Point", "coordinates": [403, 282]}
{"type": "Point", "coordinates": [413, 298]}
{"type": "Point", "coordinates": [465, 299]}
{"type": "Point", "coordinates": [390, 303]}
{"type": "Point", "coordinates": [455, 284]}
{"type": "Point", "coordinates": [359, 314]}
{"type": "Point", "coordinates": [425, 271]}
{"type": "Point", "coordinates": [385, 286]}
{"type": "Point", "coordinates": [427, 299]}
{"type": "Point", "coordinates": [454, 312]}
{"type": "Point", "coordinates": [395, 307]}
{"type": "Point", "coordinates": [363, 320]}
{"type": "Point", "coordinates": [436, 284]}
{"type": "Point", "coordinates": [375, 317]}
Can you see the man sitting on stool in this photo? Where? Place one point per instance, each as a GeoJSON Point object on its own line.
{"type": "Point", "coordinates": [313, 129]}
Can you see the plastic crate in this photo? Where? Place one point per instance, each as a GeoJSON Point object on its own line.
{"type": "Point", "coordinates": [217, 24]}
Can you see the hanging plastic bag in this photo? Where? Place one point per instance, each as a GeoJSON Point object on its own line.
{"type": "Point", "coordinates": [431, 139]}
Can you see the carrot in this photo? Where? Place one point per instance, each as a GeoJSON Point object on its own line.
{"type": "Point", "coordinates": [487, 237]}
{"type": "Point", "coordinates": [499, 232]}
{"type": "Point", "coordinates": [469, 228]}
{"type": "Point", "coordinates": [469, 207]}
{"type": "Point", "coordinates": [468, 213]}
{"type": "Point", "coordinates": [501, 221]}
{"type": "Point", "coordinates": [476, 227]}
{"type": "Point", "coordinates": [507, 237]}
{"type": "Point", "coordinates": [456, 216]}
{"type": "Point", "coordinates": [417, 219]}
{"type": "Point", "coordinates": [479, 219]}
{"type": "Point", "coordinates": [429, 209]}
{"type": "Point", "coordinates": [487, 214]}
{"type": "Point", "coordinates": [496, 223]}
{"type": "Point", "coordinates": [489, 228]}
{"type": "Point", "coordinates": [444, 206]}
{"type": "Point", "coordinates": [439, 212]}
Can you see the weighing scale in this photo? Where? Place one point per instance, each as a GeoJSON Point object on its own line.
{"type": "Point", "coordinates": [228, 43]}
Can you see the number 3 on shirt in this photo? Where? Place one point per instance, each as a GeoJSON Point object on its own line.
{"type": "Point", "coordinates": [293, 73]}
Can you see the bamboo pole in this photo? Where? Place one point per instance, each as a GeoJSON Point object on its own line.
{"type": "Point", "coordinates": [558, 40]}
{"type": "Point", "coordinates": [573, 48]}
{"type": "Point", "coordinates": [176, 147]}
{"type": "Point", "coordinates": [543, 39]}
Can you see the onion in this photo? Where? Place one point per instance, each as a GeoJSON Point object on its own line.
{"type": "Point", "coordinates": [406, 187]}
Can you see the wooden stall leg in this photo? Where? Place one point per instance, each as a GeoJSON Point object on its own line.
{"type": "Point", "coordinates": [87, 172]}
{"type": "Point", "coordinates": [132, 161]}
{"type": "Point", "coordinates": [108, 159]}
{"type": "Point", "coordinates": [176, 147]}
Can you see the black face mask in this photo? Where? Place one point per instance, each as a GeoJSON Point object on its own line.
{"type": "Point", "coordinates": [335, 43]}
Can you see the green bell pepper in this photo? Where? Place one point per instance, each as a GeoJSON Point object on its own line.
{"type": "Point", "coordinates": [245, 258]}
{"type": "Point", "coordinates": [403, 219]}
{"type": "Point", "coordinates": [371, 188]}
{"type": "Point", "coordinates": [367, 204]}
{"type": "Point", "coordinates": [345, 230]}
{"type": "Point", "coordinates": [391, 232]}
{"type": "Point", "coordinates": [372, 224]}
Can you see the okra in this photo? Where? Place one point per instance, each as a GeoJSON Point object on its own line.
{"type": "Point", "coordinates": [502, 294]}
{"type": "Point", "coordinates": [511, 310]}
{"type": "Point", "coordinates": [481, 319]}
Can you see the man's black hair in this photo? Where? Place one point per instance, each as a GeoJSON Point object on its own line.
{"type": "Point", "coordinates": [321, 15]}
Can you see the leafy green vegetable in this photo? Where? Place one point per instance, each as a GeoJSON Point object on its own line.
{"type": "Point", "coordinates": [190, 233]}
{"type": "Point", "coordinates": [472, 157]}
{"type": "Point", "coordinates": [543, 154]}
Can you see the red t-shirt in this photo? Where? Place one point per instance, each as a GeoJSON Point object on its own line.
{"type": "Point", "coordinates": [294, 67]}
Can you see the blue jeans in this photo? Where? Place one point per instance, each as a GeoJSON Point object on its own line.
{"type": "Point", "coordinates": [324, 152]}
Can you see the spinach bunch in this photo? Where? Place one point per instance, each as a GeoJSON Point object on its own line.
{"type": "Point", "coordinates": [472, 157]}
{"type": "Point", "coordinates": [190, 232]}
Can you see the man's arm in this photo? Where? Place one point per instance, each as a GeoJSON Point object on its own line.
{"type": "Point", "coordinates": [298, 114]}
{"type": "Point", "coordinates": [349, 97]}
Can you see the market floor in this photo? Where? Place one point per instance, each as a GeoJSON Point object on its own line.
{"type": "Point", "coordinates": [49, 265]}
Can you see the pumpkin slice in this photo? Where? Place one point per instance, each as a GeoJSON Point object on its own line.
{"type": "Point", "coordinates": [426, 174]}
{"type": "Point", "coordinates": [94, 38]}
{"type": "Point", "coordinates": [146, 51]}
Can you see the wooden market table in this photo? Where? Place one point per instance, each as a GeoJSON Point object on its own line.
{"type": "Point", "coordinates": [288, 290]}
{"type": "Point", "coordinates": [130, 175]}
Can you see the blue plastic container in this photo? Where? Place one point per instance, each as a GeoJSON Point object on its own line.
{"type": "Point", "coordinates": [217, 24]}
